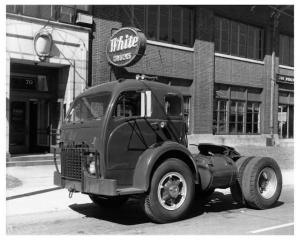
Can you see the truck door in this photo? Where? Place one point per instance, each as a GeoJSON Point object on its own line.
{"type": "Point", "coordinates": [173, 113]}
{"type": "Point", "coordinates": [129, 134]}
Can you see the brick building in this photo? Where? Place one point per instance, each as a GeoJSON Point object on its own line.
{"type": "Point", "coordinates": [233, 64]}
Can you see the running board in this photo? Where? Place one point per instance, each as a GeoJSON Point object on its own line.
{"type": "Point", "coordinates": [130, 190]}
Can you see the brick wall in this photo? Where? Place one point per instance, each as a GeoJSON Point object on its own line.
{"type": "Point", "coordinates": [164, 61]}
{"type": "Point", "coordinates": [203, 72]}
{"type": "Point", "coordinates": [105, 19]}
{"type": "Point", "coordinates": [236, 72]}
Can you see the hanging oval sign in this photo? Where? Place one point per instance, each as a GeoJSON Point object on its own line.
{"type": "Point", "coordinates": [43, 43]}
{"type": "Point", "coordinates": [126, 47]}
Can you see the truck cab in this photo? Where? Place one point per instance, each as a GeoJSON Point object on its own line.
{"type": "Point", "coordinates": [109, 127]}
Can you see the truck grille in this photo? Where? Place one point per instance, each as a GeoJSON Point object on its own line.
{"type": "Point", "coordinates": [71, 162]}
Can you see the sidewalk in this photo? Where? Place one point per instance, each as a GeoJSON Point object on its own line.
{"type": "Point", "coordinates": [38, 179]}
{"type": "Point", "coordinates": [33, 179]}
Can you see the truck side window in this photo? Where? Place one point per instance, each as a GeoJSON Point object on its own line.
{"type": "Point", "coordinates": [173, 105]}
{"type": "Point", "coordinates": [128, 104]}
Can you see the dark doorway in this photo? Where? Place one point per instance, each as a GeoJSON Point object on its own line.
{"type": "Point", "coordinates": [33, 126]}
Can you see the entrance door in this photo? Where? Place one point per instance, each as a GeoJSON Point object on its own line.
{"type": "Point", "coordinates": [33, 110]}
{"type": "Point", "coordinates": [43, 125]}
{"type": "Point", "coordinates": [18, 135]}
{"type": "Point", "coordinates": [38, 126]}
{"type": "Point", "coordinates": [285, 121]}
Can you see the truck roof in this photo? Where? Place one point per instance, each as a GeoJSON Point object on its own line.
{"type": "Point", "coordinates": [119, 85]}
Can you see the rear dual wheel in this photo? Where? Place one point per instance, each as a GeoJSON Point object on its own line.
{"type": "Point", "coordinates": [259, 183]}
{"type": "Point", "coordinates": [262, 183]}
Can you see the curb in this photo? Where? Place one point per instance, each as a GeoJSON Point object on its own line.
{"type": "Point", "coordinates": [30, 163]}
{"type": "Point", "coordinates": [33, 193]}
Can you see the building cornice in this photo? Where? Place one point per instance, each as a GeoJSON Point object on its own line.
{"type": "Point", "coordinates": [44, 22]}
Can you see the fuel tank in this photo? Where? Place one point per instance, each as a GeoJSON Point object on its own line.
{"type": "Point", "coordinates": [216, 171]}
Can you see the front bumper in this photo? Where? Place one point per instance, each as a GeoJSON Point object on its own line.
{"type": "Point", "coordinates": [105, 187]}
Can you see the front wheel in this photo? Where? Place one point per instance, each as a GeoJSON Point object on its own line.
{"type": "Point", "coordinates": [171, 193]}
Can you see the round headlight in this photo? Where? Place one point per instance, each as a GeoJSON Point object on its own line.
{"type": "Point", "coordinates": [92, 168]}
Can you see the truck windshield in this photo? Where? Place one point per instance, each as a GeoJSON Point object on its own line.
{"type": "Point", "coordinates": [89, 107]}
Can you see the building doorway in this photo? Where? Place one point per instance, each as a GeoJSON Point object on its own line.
{"type": "Point", "coordinates": [34, 107]}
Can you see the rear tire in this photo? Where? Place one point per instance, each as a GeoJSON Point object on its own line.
{"type": "Point", "coordinates": [236, 191]}
{"type": "Point", "coordinates": [109, 202]}
{"type": "Point", "coordinates": [261, 183]}
{"type": "Point", "coordinates": [171, 193]}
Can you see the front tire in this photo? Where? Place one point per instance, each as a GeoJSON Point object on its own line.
{"type": "Point", "coordinates": [171, 193]}
{"type": "Point", "coordinates": [262, 183]}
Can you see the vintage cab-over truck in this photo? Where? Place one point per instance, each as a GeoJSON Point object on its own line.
{"type": "Point", "coordinates": [127, 138]}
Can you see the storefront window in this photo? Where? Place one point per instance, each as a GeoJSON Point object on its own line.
{"type": "Point", "coordinates": [238, 39]}
{"type": "Point", "coordinates": [236, 117]}
{"type": "Point", "coordinates": [186, 109]}
{"type": "Point", "coordinates": [164, 23]}
{"type": "Point", "coordinates": [236, 114]}
{"type": "Point", "coordinates": [286, 50]}
{"type": "Point", "coordinates": [285, 114]}
{"type": "Point", "coordinates": [252, 125]}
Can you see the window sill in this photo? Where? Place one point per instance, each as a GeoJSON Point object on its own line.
{"type": "Point", "coordinates": [238, 134]}
{"type": "Point", "coordinates": [239, 58]}
{"type": "Point", "coordinates": [286, 67]}
{"type": "Point", "coordinates": [168, 45]}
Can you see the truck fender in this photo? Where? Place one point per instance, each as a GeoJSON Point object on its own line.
{"type": "Point", "coordinates": [154, 156]}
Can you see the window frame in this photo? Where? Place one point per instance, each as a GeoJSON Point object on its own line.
{"type": "Point", "coordinates": [80, 102]}
{"type": "Point", "coordinates": [179, 116]}
{"type": "Point", "coordinates": [157, 34]}
{"type": "Point", "coordinates": [290, 51]}
{"type": "Point", "coordinates": [187, 111]}
{"type": "Point", "coordinates": [55, 9]}
{"type": "Point", "coordinates": [258, 44]}
{"type": "Point", "coordinates": [228, 100]}
{"type": "Point", "coordinates": [116, 105]}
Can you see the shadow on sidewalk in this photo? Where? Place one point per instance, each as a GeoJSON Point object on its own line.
{"type": "Point", "coordinates": [132, 214]}
{"type": "Point", "coordinates": [12, 182]}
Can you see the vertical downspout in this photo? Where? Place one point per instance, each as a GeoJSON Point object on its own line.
{"type": "Point", "coordinates": [273, 73]}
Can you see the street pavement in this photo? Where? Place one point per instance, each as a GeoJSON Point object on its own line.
{"type": "Point", "coordinates": [53, 213]}
{"type": "Point", "coordinates": [39, 207]}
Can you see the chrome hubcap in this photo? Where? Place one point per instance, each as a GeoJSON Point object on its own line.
{"type": "Point", "coordinates": [172, 190]}
{"type": "Point", "coordinates": [267, 183]}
